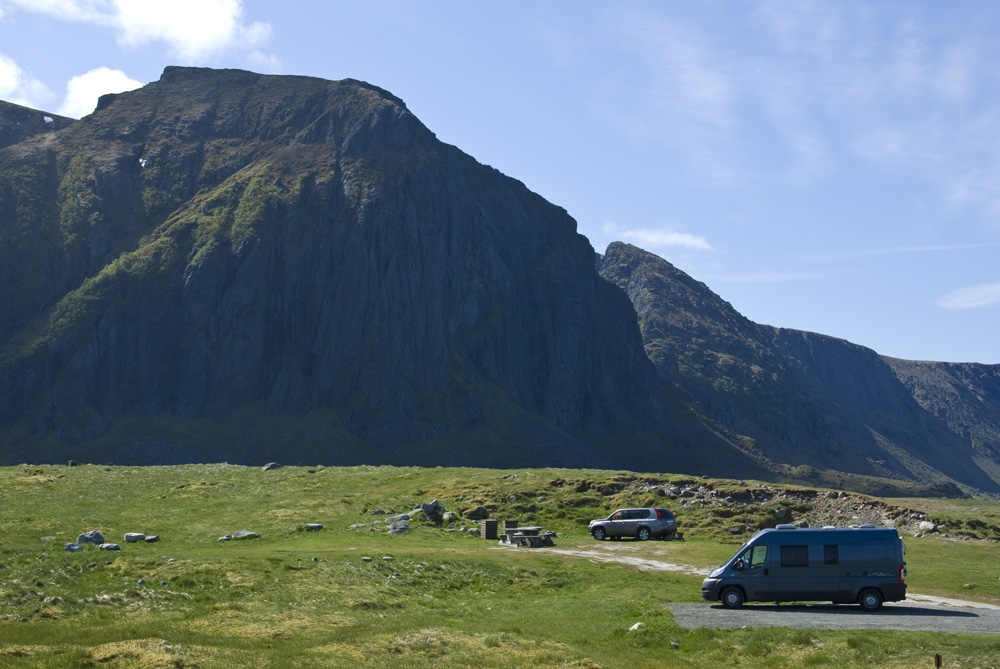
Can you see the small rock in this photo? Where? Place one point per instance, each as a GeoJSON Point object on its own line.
{"type": "Point", "coordinates": [163, 582]}
{"type": "Point", "coordinates": [802, 523]}
{"type": "Point", "coordinates": [841, 494]}
{"type": "Point", "coordinates": [313, 527]}
{"type": "Point", "coordinates": [73, 548]}
{"type": "Point", "coordinates": [377, 512]}
{"type": "Point", "coordinates": [396, 519]}
{"type": "Point", "coordinates": [927, 526]}
{"type": "Point", "coordinates": [366, 559]}
{"type": "Point", "coordinates": [152, 540]}
{"type": "Point", "coordinates": [832, 494]}
{"type": "Point", "coordinates": [142, 581]}
{"type": "Point", "coordinates": [72, 463]}
{"type": "Point", "coordinates": [109, 547]}
{"type": "Point", "coordinates": [474, 531]}
{"type": "Point", "coordinates": [736, 529]}
{"type": "Point", "coordinates": [387, 558]}
{"type": "Point", "coordinates": [134, 537]}
{"type": "Point", "coordinates": [315, 559]}
{"type": "Point", "coordinates": [675, 645]}
{"type": "Point", "coordinates": [637, 626]}
{"type": "Point", "coordinates": [269, 466]}
{"type": "Point", "coordinates": [781, 513]}
{"type": "Point", "coordinates": [171, 560]}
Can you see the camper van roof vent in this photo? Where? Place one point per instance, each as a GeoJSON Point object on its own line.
{"type": "Point", "coordinates": [867, 525]}
{"type": "Point", "coordinates": [829, 527]}
{"type": "Point", "coordinates": [784, 526]}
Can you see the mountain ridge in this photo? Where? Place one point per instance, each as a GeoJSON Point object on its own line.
{"type": "Point", "coordinates": [804, 398]}
{"type": "Point", "coordinates": [235, 248]}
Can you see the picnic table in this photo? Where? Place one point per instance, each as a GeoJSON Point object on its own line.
{"type": "Point", "coordinates": [531, 536]}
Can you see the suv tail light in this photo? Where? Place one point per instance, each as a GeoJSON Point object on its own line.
{"type": "Point", "coordinates": [659, 514]}
{"type": "Point", "coordinates": [902, 573]}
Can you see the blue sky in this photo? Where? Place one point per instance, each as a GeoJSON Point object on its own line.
{"type": "Point", "coordinates": [832, 167]}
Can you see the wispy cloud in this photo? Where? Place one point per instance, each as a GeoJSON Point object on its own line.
{"type": "Point", "coordinates": [655, 238]}
{"type": "Point", "coordinates": [898, 250]}
{"type": "Point", "coordinates": [971, 297]}
{"type": "Point", "coordinates": [791, 92]}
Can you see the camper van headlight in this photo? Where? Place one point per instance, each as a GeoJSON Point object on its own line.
{"type": "Point", "coordinates": [717, 572]}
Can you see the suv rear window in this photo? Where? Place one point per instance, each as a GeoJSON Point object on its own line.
{"type": "Point", "coordinates": [665, 515]}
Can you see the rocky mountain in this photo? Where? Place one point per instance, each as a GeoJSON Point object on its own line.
{"type": "Point", "coordinates": [229, 266]}
{"type": "Point", "coordinates": [808, 400]}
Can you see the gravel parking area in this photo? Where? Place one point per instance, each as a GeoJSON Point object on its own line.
{"type": "Point", "coordinates": [904, 616]}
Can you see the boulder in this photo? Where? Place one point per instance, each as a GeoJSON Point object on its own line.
{"type": "Point", "coordinates": [398, 518]}
{"type": "Point", "coordinates": [245, 534]}
{"type": "Point", "coordinates": [134, 537]}
{"type": "Point", "coordinates": [478, 513]}
{"type": "Point", "coordinates": [73, 548]}
{"type": "Point", "coordinates": [90, 537]}
{"type": "Point", "coordinates": [781, 513]}
{"type": "Point", "coordinates": [927, 526]}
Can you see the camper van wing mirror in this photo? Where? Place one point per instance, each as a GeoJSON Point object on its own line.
{"type": "Point", "coordinates": [738, 565]}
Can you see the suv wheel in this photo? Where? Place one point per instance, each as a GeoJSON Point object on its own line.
{"type": "Point", "coordinates": [643, 534]}
{"type": "Point", "coordinates": [598, 533]}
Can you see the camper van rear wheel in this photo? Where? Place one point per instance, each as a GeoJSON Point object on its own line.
{"type": "Point", "coordinates": [643, 534]}
{"type": "Point", "coordinates": [870, 600]}
{"type": "Point", "coordinates": [732, 598]}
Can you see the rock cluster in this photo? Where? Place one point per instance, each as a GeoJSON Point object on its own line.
{"type": "Point", "coordinates": [431, 512]}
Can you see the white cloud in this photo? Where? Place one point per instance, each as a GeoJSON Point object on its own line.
{"type": "Point", "coordinates": [83, 91]}
{"type": "Point", "coordinates": [971, 297]}
{"type": "Point", "coordinates": [651, 238]}
{"type": "Point", "coordinates": [194, 30]}
{"type": "Point", "coordinates": [19, 87]}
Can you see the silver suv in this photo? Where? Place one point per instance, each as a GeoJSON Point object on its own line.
{"type": "Point", "coordinates": [642, 524]}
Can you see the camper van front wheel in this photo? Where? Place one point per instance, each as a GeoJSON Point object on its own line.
{"type": "Point", "coordinates": [870, 600]}
{"type": "Point", "coordinates": [732, 598]}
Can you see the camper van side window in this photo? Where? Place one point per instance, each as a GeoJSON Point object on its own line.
{"type": "Point", "coordinates": [831, 554]}
{"type": "Point", "coordinates": [795, 556]}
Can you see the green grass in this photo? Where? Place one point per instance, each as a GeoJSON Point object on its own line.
{"type": "Point", "coordinates": [296, 598]}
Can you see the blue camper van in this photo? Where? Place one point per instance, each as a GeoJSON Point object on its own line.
{"type": "Point", "coordinates": [844, 565]}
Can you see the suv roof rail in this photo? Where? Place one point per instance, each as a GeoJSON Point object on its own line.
{"type": "Point", "coordinates": [784, 526]}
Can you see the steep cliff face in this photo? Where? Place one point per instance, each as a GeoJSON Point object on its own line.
{"type": "Point", "coordinates": [963, 396]}
{"type": "Point", "coordinates": [224, 265]}
{"type": "Point", "coordinates": [804, 398]}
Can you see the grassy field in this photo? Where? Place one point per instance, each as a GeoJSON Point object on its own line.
{"type": "Point", "coordinates": [436, 596]}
